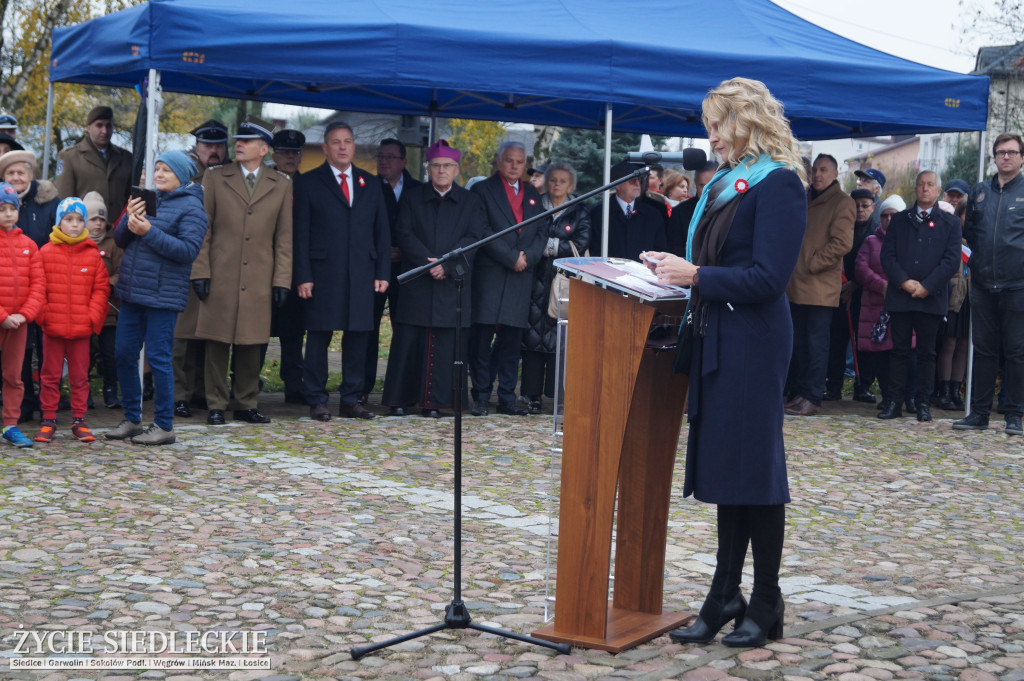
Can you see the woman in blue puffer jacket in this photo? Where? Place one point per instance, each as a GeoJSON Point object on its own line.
{"type": "Point", "coordinates": [153, 287]}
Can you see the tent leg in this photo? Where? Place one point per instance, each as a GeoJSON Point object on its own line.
{"type": "Point", "coordinates": [606, 197]}
{"type": "Point", "coordinates": [153, 105]}
{"type": "Point", "coordinates": [969, 378]}
{"type": "Point", "coordinates": [46, 134]}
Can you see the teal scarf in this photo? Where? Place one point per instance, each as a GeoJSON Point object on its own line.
{"type": "Point", "coordinates": [738, 179]}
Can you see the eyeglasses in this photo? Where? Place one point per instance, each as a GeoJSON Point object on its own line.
{"type": "Point", "coordinates": [1006, 153]}
{"type": "Point", "coordinates": [443, 166]}
{"type": "Point", "coordinates": [388, 157]}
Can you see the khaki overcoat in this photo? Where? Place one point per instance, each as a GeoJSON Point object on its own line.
{"type": "Point", "coordinates": [818, 276]}
{"type": "Point", "coordinates": [247, 252]}
{"type": "Point", "coordinates": [81, 169]}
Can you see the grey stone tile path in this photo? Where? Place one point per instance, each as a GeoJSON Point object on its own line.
{"type": "Point", "coordinates": [903, 557]}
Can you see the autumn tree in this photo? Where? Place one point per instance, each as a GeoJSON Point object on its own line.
{"type": "Point", "coordinates": [478, 141]}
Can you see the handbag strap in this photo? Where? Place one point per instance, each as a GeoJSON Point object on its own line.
{"type": "Point", "coordinates": [575, 252]}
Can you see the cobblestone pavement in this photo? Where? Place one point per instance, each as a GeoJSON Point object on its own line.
{"type": "Point", "coordinates": [903, 554]}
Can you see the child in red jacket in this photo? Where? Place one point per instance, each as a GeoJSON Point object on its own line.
{"type": "Point", "coordinates": [77, 289]}
{"type": "Point", "coordinates": [21, 296]}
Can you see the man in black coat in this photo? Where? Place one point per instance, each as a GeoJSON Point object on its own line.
{"type": "Point", "coordinates": [633, 225]}
{"type": "Point", "coordinates": [342, 256]}
{"type": "Point", "coordinates": [435, 218]}
{"type": "Point", "coordinates": [920, 252]}
{"type": "Point", "coordinates": [395, 180]}
{"type": "Point", "coordinates": [502, 279]}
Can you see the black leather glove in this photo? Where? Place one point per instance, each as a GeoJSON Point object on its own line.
{"type": "Point", "coordinates": [202, 288]}
{"type": "Point", "coordinates": [280, 295]}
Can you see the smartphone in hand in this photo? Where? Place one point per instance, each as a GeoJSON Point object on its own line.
{"type": "Point", "coordinates": [149, 196]}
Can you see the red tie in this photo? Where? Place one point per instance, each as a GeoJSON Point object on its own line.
{"type": "Point", "coordinates": [344, 189]}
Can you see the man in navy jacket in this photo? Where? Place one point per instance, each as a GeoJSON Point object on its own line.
{"type": "Point", "coordinates": [920, 252]}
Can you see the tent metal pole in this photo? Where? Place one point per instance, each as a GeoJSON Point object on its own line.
{"type": "Point", "coordinates": [152, 123]}
{"type": "Point", "coordinates": [969, 378]}
{"type": "Point", "coordinates": [46, 133]}
{"type": "Point", "coordinates": [606, 197]}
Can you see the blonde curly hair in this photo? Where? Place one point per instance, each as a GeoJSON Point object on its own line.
{"type": "Point", "coordinates": [744, 109]}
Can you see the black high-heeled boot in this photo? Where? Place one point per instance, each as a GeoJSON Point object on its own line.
{"type": "Point", "coordinates": [759, 625]}
{"type": "Point", "coordinates": [709, 624]}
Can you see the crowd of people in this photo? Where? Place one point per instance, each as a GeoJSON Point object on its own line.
{"type": "Point", "coordinates": [243, 249]}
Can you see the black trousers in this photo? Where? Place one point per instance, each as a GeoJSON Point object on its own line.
{"type": "Point", "coordinates": [763, 529]}
{"type": "Point", "coordinates": [504, 357]}
{"type": "Point", "coordinates": [810, 351]}
{"type": "Point", "coordinates": [903, 326]}
{"type": "Point", "coordinates": [538, 373]}
{"type": "Point", "coordinates": [33, 341]}
{"type": "Point", "coordinates": [390, 299]}
{"type": "Point", "coordinates": [998, 326]}
{"type": "Point", "coordinates": [314, 366]}
{"type": "Point", "coordinates": [108, 365]}
{"type": "Point", "coordinates": [838, 341]}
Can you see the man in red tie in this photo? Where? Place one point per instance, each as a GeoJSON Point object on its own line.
{"type": "Point", "coordinates": [342, 257]}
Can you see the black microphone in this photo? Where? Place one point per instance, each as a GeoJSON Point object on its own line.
{"type": "Point", "coordinates": [692, 159]}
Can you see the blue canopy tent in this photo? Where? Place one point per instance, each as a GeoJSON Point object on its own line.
{"type": "Point", "coordinates": [557, 62]}
{"type": "Point", "coordinates": [537, 61]}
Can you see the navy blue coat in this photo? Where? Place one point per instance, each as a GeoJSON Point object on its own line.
{"type": "Point", "coordinates": [342, 249]}
{"type": "Point", "coordinates": [928, 252]}
{"type": "Point", "coordinates": [644, 231]}
{"type": "Point", "coordinates": [38, 212]}
{"type": "Point", "coordinates": [735, 452]}
{"type": "Point", "coordinates": [155, 268]}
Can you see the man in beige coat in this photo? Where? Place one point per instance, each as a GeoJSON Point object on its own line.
{"type": "Point", "coordinates": [244, 267]}
{"type": "Point", "coordinates": [814, 288]}
{"type": "Point", "coordinates": [96, 165]}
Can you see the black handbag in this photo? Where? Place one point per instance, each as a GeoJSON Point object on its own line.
{"type": "Point", "coordinates": [684, 348]}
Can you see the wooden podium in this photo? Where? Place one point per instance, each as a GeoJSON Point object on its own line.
{"type": "Point", "coordinates": [623, 413]}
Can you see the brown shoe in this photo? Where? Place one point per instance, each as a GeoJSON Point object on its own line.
{"type": "Point", "coordinates": [793, 401]}
{"type": "Point", "coordinates": [320, 412]}
{"type": "Point", "coordinates": [803, 408]}
{"type": "Point", "coordinates": [354, 411]}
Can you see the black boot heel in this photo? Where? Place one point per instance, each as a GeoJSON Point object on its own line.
{"type": "Point", "coordinates": [702, 631]}
{"type": "Point", "coordinates": [752, 634]}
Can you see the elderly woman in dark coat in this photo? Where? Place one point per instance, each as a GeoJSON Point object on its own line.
{"type": "Point", "coordinates": [743, 244]}
{"type": "Point", "coordinates": [565, 229]}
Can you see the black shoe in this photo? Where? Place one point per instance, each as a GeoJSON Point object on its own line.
{"type": "Point", "coordinates": [832, 397]}
{"type": "Point", "coordinates": [479, 408]}
{"type": "Point", "coordinates": [945, 398]}
{"type": "Point", "coordinates": [294, 398]}
{"type": "Point", "coordinates": [251, 416]}
{"type": "Point", "coordinates": [753, 633]}
{"type": "Point", "coordinates": [891, 410]}
{"type": "Point", "coordinates": [973, 421]}
{"type": "Point", "coordinates": [215, 417]}
{"type": "Point", "coordinates": [702, 632]}
{"type": "Point", "coordinates": [363, 399]}
{"type": "Point", "coordinates": [396, 411]}
{"type": "Point", "coordinates": [954, 396]}
{"type": "Point", "coordinates": [535, 405]}
{"type": "Point", "coordinates": [147, 387]}
{"type": "Point", "coordinates": [924, 412]}
{"type": "Point", "coordinates": [182, 410]}
{"type": "Point", "coordinates": [110, 400]}
{"type": "Point", "coordinates": [911, 405]}
{"type": "Point", "coordinates": [863, 396]}
{"type": "Point", "coordinates": [1013, 426]}
{"type": "Point", "coordinates": [511, 409]}
{"type": "Point", "coordinates": [354, 411]}
{"type": "Point", "coordinates": [430, 413]}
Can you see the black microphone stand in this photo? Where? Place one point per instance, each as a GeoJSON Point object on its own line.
{"type": "Point", "coordinates": [456, 614]}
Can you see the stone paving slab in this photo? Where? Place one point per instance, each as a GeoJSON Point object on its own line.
{"type": "Point", "coordinates": [903, 554]}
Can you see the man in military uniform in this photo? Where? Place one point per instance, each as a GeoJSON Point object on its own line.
{"type": "Point", "coordinates": [286, 322]}
{"type": "Point", "coordinates": [243, 269]}
{"type": "Point", "coordinates": [96, 165]}
{"type": "Point", "coordinates": [189, 353]}
{"type": "Point", "coordinates": [211, 147]}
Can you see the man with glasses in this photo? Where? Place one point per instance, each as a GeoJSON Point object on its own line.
{"type": "Point", "coordinates": [436, 218]}
{"type": "Point", "coordinates": [395, 180]}
{"type": "Point", "coordinates": [994, 227]}
{"type": "Point", "coordinates": [342, 257]}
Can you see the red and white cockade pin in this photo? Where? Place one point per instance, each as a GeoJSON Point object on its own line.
{"type": "Point", "coordinates": [742, 186]}
{"type": "Point", "coordinates": [931, 225]}
{"type": "Point", "coordinates": [362, 182]}
{"type": "Point", "coordinates": [568, 228]}
{"type": "Point", "coordinates": [533, 202]}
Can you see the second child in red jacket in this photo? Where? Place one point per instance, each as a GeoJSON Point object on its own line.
{"type": "Point", "coordinates": [77, 289]}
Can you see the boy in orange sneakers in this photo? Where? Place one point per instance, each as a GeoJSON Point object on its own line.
{"type": "Point", "coordinates": [77, 289]}
{"type": "Point", "coordinates": [21, 296]}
